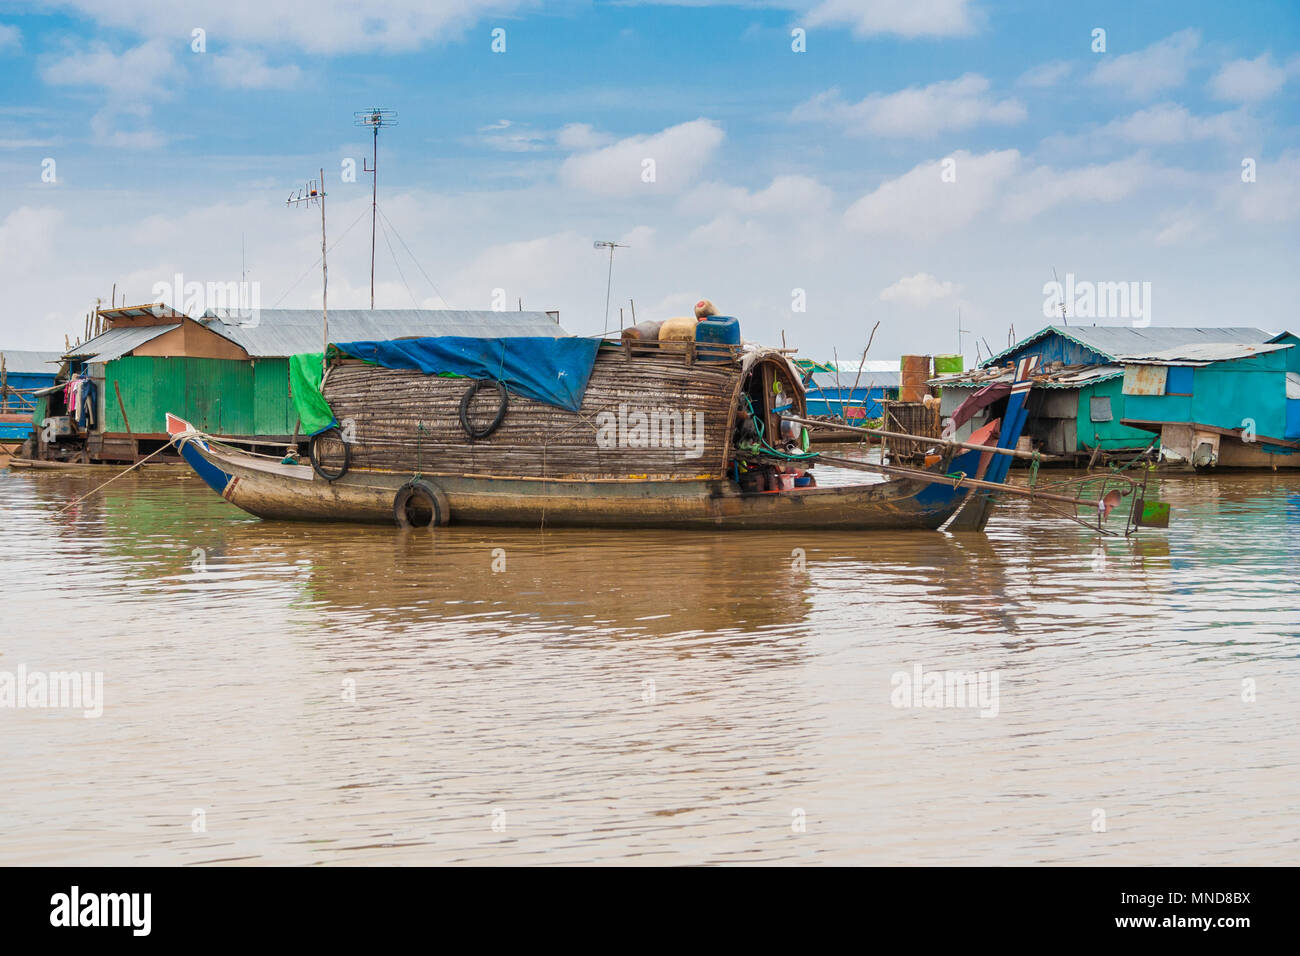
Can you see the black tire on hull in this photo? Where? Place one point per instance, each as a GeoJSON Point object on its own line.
{"type": "Point", "coordinates": [420, 504]}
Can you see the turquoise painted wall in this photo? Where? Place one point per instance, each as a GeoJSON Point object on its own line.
{"type": "Point", "coordinates": [1110, 435]}
{"type": "Point", "coordinates": [1224, 395]}
{"type": "Point", "coordinates": [1292, 355]}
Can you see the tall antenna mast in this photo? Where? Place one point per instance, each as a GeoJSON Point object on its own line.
{"type": "Point", "coordinates": [375, 120]}
{"type": "Point", "coordinates": [609, 281]}
{"type": "Point", "coordinates": [961, 332]}
{"type": "Point", "coordinates": [1061, 289]}
{"type": "Point", "coordinates": [314, 192]}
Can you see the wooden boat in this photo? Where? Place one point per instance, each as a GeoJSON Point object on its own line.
{"type": "Point", "coordinates": [403, 452]}
{"type": "Point", "coordinates": [38, 464]}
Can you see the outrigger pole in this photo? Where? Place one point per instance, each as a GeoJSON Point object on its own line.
{"type": "Point", "coordinates": [1136, 490]}
{"type": "Point", "coordinates": [954, 481]}
{"type": "Point", "coordinates": [1010, 452]}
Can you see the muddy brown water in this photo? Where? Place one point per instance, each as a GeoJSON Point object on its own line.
{"type": "Point", "coordinates": [280, 693]}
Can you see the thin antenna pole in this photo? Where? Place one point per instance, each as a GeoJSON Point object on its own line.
{"type": "Point", "coordinates": [609, 283]}
{"type": "Point", "coordinates": [374, 209]}
{"type": "Point", "coordinates": [609, 279]}
{"type": "Point", "coordinates": [1061, 289]}
{"type": "Point", "coordinates": [324, 279]}
{"type": "Point", "coordinates": [315, 192]}
{"type": "Point", "coordinates": [375, 119]}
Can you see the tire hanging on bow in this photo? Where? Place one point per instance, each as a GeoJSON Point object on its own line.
{"type": "Point", "coordinates": [329, 474]}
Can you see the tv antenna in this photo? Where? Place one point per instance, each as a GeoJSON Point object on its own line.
{"type": "Point", "coordinates": [375, 120]}
{"type": "Point", "coordinates": [1061, 291]}
{"type": "Point", "coordinates": [961, 332]}
{"type": "Point", "coordinates": [609, 281]}
{"type": "Point", "coordinates": [314, 192]}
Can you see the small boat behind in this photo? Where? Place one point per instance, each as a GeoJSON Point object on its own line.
{"type": "Point", "coordinates": [578, 431]}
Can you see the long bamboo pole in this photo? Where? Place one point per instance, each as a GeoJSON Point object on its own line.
{"type": "Point", "coordinates": [953, 481]}
{"type": "Point", "coordinates": [1011, 452]}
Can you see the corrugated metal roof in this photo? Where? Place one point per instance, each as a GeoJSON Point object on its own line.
{"type": "Point", "coordinates": [157, 310]}
{"type": "Point", "coordinates": [808, 365]}
{"type": "Point", "coordinates": [1118, 341]}
{"type": "Point", "coordinates": [1070, 377]}
{"type": "Point", "coordinates": [1204, 353]}
{"type": "Point", "coordinates": [30, 363]}
{"type": "Point", "coordinates": [870, 365]}
{"type": "Point", "coordinates": [118, 342]}
{"type": "Point", "coordinates": [281, 332]}
{"type": "Point", "coordinates": [826, 380]}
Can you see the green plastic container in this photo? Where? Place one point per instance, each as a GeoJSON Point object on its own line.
{"type": "Point", "coordinates": [948, 364]}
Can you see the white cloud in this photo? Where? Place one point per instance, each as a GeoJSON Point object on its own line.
{"type": "Point", "coordinates": [916, 111]}
{"type": "Point", "coordinates": [125, 128]}
{"type": "Point", "coordinates": [1245, 81]}
{"type": "Point", "coordinates": [1045, 188]}
{"type": "Point", "coordinates": [11, 38]}
{"type": "Point", "coordinates": [248, 70]}
{"type": "Point", "coordinates": [1168, 123]}
{"type": "Point", "coordinates": [1183, 228]}
{"type": "Point", "coordinates": [131, 81]}
{"type": "Point", "coordinates": [786, 195]}
{"type": "Point", "coordinates": [1274, 197]}
{"type": "Point", "coordinates": [325, 26]}
{"type": "Point", "coordinates": [921, 204]}
{"type": "Point", "coordinates": [1046, 74]}
{"type": "Point", "coordinates": [790, 205]}
{"type": "Point", "coordinates": [679, 154]}
{"type": "Point", "coordinates": [136, 75]}
{"type": "Point", "coordinates": [579, 136]}
{"type": "Point", "coordinates": [27, 237]}
{"type": "Point", "coordinates": [918, 291]}
{"type": "Point", "coordinates": [1161, 66]}
{"type": "Point", "coordinates": [509, 137]}
{"type": "Point", "coordinates": [906, 18]}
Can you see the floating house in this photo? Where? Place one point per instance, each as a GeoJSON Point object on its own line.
{"type": "Point", "coordinates": [227, 374]}
{"type": "Point", "coordinates": [1077, 407]}
{"type": "Point", "coordinates": [832, 392]}
{"type": "Point", "coordinates": [22, 374]}
{"type": "Point", "coordinates": [1226, 405]}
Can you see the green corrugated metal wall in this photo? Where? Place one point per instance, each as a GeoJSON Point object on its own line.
{"type": "Point", "coordinates": [218, 396]}
{"type": "Point", "coordinates": [273, 412]}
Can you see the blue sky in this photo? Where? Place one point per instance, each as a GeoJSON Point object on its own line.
{"type": "Point", "coordinates": [775, 171]}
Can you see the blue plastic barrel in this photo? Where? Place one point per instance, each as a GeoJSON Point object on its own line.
{"type": "Point", "coordinates": [717, 330]}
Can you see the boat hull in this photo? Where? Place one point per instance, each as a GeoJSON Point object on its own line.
{"type": "Point", "coordinates": [294, 492]}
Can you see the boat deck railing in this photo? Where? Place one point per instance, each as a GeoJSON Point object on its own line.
{"type": "Point", "coordinates": [689, 352]}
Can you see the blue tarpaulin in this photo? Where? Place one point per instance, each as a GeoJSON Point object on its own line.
{"type": "Point", "coordinates": [549, 370]}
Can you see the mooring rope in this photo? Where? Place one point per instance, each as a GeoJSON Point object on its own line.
{"type": "Point", "coordinates": [77, 501]}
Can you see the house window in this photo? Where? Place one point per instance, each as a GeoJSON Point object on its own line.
{"type": "Point", "coordinates": [1099, 409]}
{"type": "Point", "coordinates": [1179, 380]}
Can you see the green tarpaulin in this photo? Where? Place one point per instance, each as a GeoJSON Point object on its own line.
{"type": "Point", "coordinates": [304, 381]}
